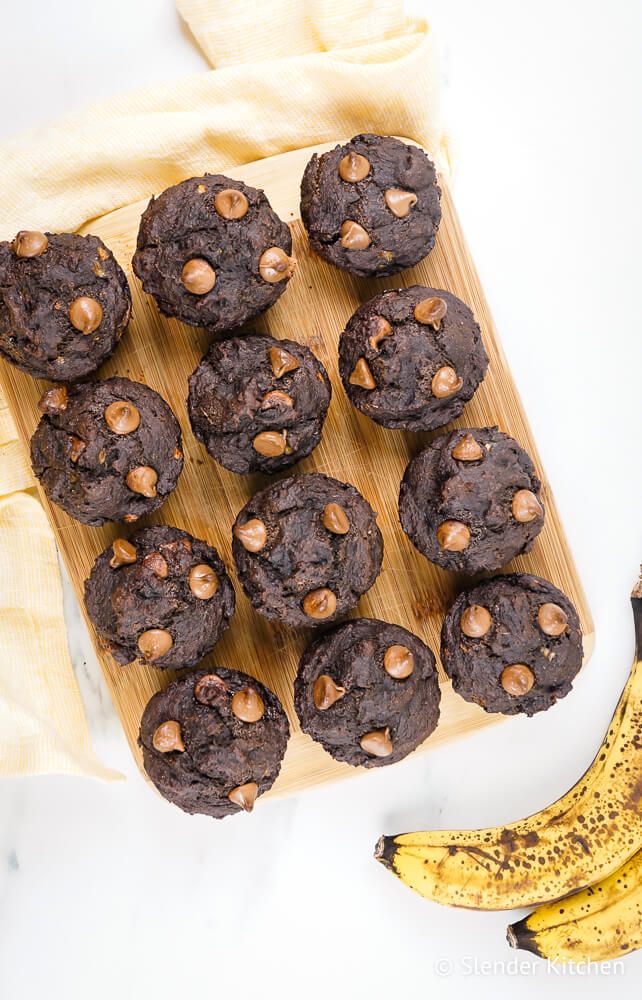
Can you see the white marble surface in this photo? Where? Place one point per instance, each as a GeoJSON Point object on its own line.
{"type": "Point", "coordinates": [105, 891]}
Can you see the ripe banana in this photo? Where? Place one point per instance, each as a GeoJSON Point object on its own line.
{"type": "Point", "coordinates": [597, 924]}
{"type": "Point", "coordinates": [584, 836]}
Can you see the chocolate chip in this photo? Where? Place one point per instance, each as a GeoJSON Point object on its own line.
{"type": "Point", "coordinates": [154, 643]}
{"type": "Point", "coordinates": [198, 276]}
{"type": "Point", "coordinates": [76, 448]}
{"type": "Point", "coordinates": [399, 662]}
{"type": "Point", "coordinates": [325, 692]}
{"type": "Point", "coordinates": [282, 361]}
{"type": "Point", "coordinates": [123, 553]}
{"type": "Point", "coordinates": [383, 330]}
{"type": "Point", "coordinates": [276, 398]}
{"type": "Point", "coordinates": [142, 480]}
{"type": "Point", "coordinates": [85, 314]}
{"type": "Point", "coordinates": [271, 444]}
{"type": "Point", "coordinates": [54, 400]}
{"type": "Point", "coordinates": [155, 562]}
{"type": "Point", "coordinates": [320, 603]}
{"type": "Point", "coordinates": [552, 619]}
{"type": "Point", "coordinates": [247, 705]}
{"type": "Point", "coordinates": [362, 376]}
{"type": "Point", "coordinates": [275, 265]}
{"type": "Point", "coordinates": [122, 417]}
{"type": "Point", "coordinates": [467, 449]}
{"type": "Point", "coordinates": [209, 689]}
{"type": "Point", "coordinates": [203, 581]}
{"type": "Point", "coordinates": [231, 204]}
{"type": "Point", "coordinates": [335, 519]}
{"type": "Point", "coordinates": [445, 382]}
{"type": "Point", "coordinates": [430, 312]}
{"type": "Point", "coordinates": [168, 737]}
{"type": "Point", "coordinates": [377, 743]}
{"type": "Point", "coordinates": [453, 536]}
{"type": "Point", "coordinates": [526, 507]}
{"type": "Point", "coordinates": [475, 621]}
{"type": "Point", "coordinates": [517, 679]}
{"type": "Point", "coordinates": [353, 167]}
{"type": "Point", "coordinates": [30, 243]}
{"type": "Point", "coordinates": [244, 795]}
{"type": "Point", "coordinates": [354, 236]}
{"type": "Point", "coordinates": [252, 535]}
{"type": "Point", "coordinates": [400, 202]}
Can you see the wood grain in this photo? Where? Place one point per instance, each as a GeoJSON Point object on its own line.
{"type": "Point", "coordinates": [314, 310]}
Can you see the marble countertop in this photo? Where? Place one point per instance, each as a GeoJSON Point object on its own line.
{"type": "Point", "coordinates": [105, 890]}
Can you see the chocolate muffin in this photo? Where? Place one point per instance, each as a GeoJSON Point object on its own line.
{"type": "Point", "coordinates": [162, 597]}
{"type": "Point", "coordinates": [411, 358]}
{"type": "Point", "coordinates": [64, 304]}
{"type": "Point", "coordinates": [258, 404]}
{"type": "Point", "coordinates": [470, 501]}
{"type": "Point", "coordinates": [512, 644]}
{"type": "Point", "coordinates": [368, 692]}
{"type": "Point", "coordinates": [214, 741]}
{"type": "Point", "coordinates": [212, 252]}
{"type": "Point", "coordinates": [306, 549]}
{"type": "Point", "coordinates": [371, 206]}
{"type": "Point", "coordinates": [106, 451]}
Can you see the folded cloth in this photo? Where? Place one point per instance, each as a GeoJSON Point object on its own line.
{"type": "Point", "coordinates": [288, 74]}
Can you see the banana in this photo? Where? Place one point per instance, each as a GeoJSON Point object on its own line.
{"type": "Point", "coordinates": [584, 836]}
{"type": "Point", "coordinates": [597, 924]}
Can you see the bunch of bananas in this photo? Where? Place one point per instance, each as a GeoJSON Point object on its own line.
{"type": "Point", "coordinates": [591, 837]}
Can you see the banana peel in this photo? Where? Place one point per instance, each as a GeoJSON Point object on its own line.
{"type": "Point", "coordinates": [581, 839]}
{"type": "Point", "coordinates": [597, 924]}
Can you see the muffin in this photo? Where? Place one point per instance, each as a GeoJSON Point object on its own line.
{"type": "Point", "coordinates": [106, 451]}
{"type": "Point", "coordinates": [410, 359]}
{"type": "Point", "coordinates": [64, 304]}
{"type": "Point", "coordinates": [212, 252]}
{"type": "Point", "coordinates": [372, 205]}
{"type": "Point", "coordinates": [470, 501]}
{"type": "Point", "coordinates": [258, 404]}
{"type": "Point", "coordinates": [368, 692]}
{"type": "Point", "coordinates": [306, 549]}
{"type": "Point", "coordinates": [512, 644]}
{"type": "Point", "coordinates": [161, 597]}
{"type": "Point", "coordinates": [214, 741]}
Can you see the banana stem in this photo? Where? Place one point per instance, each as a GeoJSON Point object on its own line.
{"type": "Point", "coordinates": [636, 603]}
{"type": "Point", "coordinates": [519, 937]}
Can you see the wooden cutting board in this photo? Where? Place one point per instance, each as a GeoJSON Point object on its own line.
{"type": "Point", "coordinates": [314, 309]}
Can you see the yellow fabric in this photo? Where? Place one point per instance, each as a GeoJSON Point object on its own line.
{"type": "Point", "coordinates": [287, 74]}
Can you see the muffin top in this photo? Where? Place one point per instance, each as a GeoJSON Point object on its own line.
{"type": "Point", "coordinates": [470, 501]}
{"type": "Point", "coordinates": [212, 252]}
{"type": "Point", "coordinates": [64, 304]}
{"type": "Point", "coordinates": [512, 644]}
{"type": "Point", "coordinates": [372, 205]}
{"type": "Point", "coordinates": [368, 692]}
{"type": "Point", "coordinates": [411, 358]}
{"type": "Point", "coordinates": [214, 741]}
{"type": "Point", "coordinates": [106, 451]}
{"type": "Point", "coordinates": [258, 404]}
{"type": "Point", "coordinates": [161, 597]}
{"type": "Point", "coordinates": [306, 549]}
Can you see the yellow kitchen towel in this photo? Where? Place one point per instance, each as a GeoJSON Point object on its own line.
{"type": "Point", "coordinates": [287, 74]}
